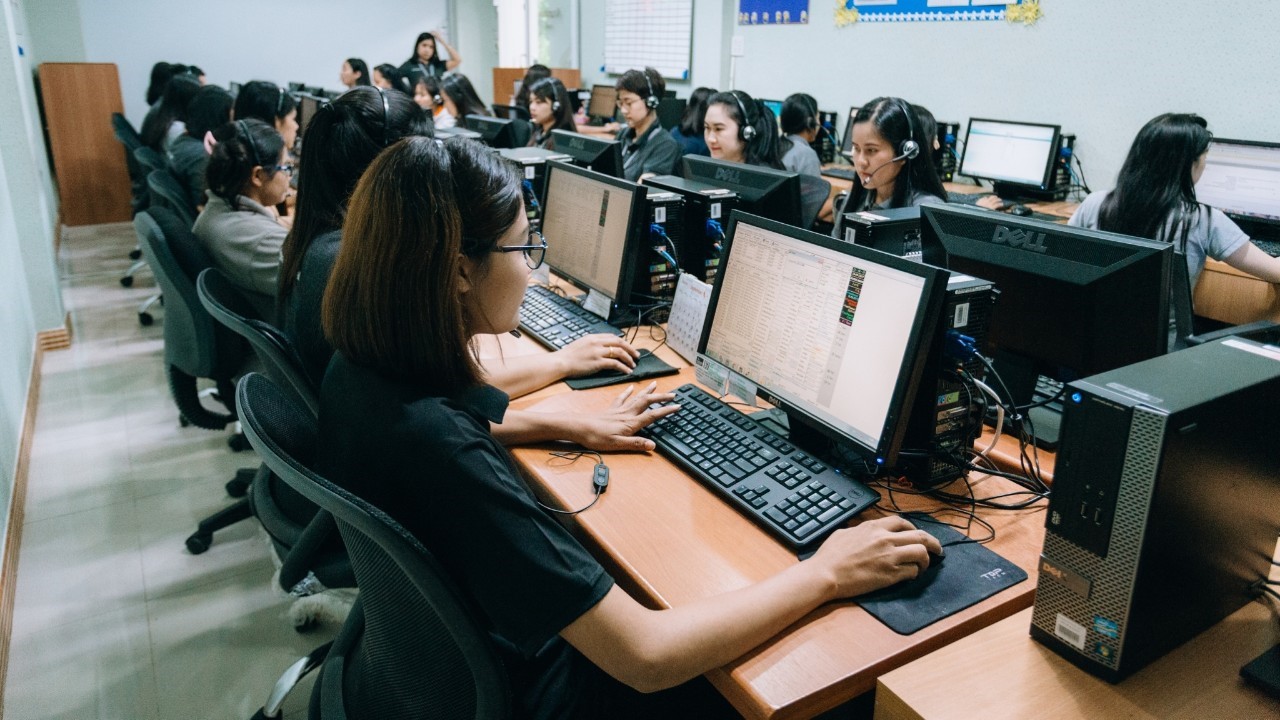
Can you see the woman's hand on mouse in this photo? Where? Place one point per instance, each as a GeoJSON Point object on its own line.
{"type": "Point", "coordinates": [875, 554]}
{"type": "Point", "coordinates": [596, 353]}
{"type": "Point", "coordinates": [991, 202]}
{"type": "Point", "coordinates": [616, 428]}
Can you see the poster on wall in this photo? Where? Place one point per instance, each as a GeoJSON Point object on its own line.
{"type": "Point", "coordinates": [851, 11]}
{"type": "Point", "coordinates": [773, 12]}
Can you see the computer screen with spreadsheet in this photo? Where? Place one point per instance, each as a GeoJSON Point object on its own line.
{"type": "Point", "coordinates": [1010, 152]}
{"type": "Point", "coordinates": [829, 330]}
{"type": "Point", "coordinates": [586, 222]}
{"type": "Point", "coordinates": [1242, 179]}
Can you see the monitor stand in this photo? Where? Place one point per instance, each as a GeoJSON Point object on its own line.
{"type": "Point", "coordinates": [1027, 193]}
{"type": "Point", "coordinates": [803, 435]}
{"type": "Point", "coordinates": [1020, 375]}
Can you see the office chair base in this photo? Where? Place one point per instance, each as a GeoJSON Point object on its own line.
{"type": "Point", "coordinates": [145, 319]}
{"type": "Point", "coordinates": [238, 443]}
{"type": "Point", "coordinates": [238, 486]}
{"type": "Point", "coordinates": [127, 281]}
{"type": "Point", "coordinates": [202, 538]}
{"type": "Point", "coordinates": [135, 254]}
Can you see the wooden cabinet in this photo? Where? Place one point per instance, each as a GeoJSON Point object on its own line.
{"type": "Point", "coordinates": [77, 100]}
{"type": "Point", "coordinates": [504, 79]}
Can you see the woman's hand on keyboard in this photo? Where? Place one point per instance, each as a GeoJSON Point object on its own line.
{"type": "Point", "coordinates": [875, 554]}
{"type": "Point", "coordinates": [597, 353]}
{"type": "Point", "coordinates": [616, 427]}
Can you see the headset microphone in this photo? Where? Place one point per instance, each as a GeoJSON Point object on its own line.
{"type": "Point", "coordinates": [868, 176]}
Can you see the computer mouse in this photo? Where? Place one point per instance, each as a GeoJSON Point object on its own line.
{"type": "Point", "coordinates": [1020, 210]}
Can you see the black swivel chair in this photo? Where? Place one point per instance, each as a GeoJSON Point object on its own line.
{"type": "Point", "coordinates": [412, 646]}
{"type": "Point", "coordinates": [167, 192]}
{"type": "Point", "coordinates": [131, 141]}
{"type": "Point", "coordinates": [146, 161]}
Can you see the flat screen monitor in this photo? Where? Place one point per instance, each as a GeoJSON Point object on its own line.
{"type": "Point", "coordinates": [764, 191]}
{"type": "Point", "coordinates": [831, 332]}
{"type": "Point", "coordinates": [603, 156]}
{"type": "Point", "coordinates": [1072, 302]}
{"type": "Point", "coordinates": [1242, 179]}
{"type": "Point", "coordinates": [603, 103]}
{"type": "Point", "coordinates": [587, 221]}
{"type": "Point", "coordinates": [308, 106]}
{"type": "Point", "coordinates": [510, 112]}
{"type": "Point", "coordinates": [670, 110]}
{"type": "Point", "coordinates": [499, 133]}
{"type": "Point", "coordinates": [775, 106]}
{"type": "Point", "coordinates": [1014, 153]}
{"type": "Point", "coordinates": [846, 142]}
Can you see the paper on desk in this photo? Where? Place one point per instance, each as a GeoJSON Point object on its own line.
{"type": "Point", "coordinates": [688, 313]}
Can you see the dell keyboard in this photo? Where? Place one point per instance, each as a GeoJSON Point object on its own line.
{"type": "Point", "coordinates": [792, 495]}
{"type": "Point", "coordinates": [556, 321]}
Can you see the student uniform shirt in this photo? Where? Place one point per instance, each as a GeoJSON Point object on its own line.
{"type": "Point", "coordinates": [1212, 234]}
{"type": "Point", "coordinates": [244, 242]}
{"type": "Point", "coordinates": [654, 152]}
{"type": "Point", "coordinates": [690, 144]}
{"type": "Point", "coordinates": [425, 456]}
{"type": "Point", "coordinates": [801, 158]}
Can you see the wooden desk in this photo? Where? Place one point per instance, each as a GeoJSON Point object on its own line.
{"type": "Point", "coordinates": [667, 541]}
{"type": "Point", "coordinates": [1231, 296]}
{"type": "Point", "coordinates": [1000, 672]}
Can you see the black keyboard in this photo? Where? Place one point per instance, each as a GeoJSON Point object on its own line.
{"type": "Point", "coordinates": [1270, 247]}
{"type": "Point", "coordinates": [840, 172]}
{"type": "Point", "coordinates": [556, 321]}
{"type": "Point", "coordinates": [1046, 417]}
{"type": "Point", "coordinates": [794, 496]}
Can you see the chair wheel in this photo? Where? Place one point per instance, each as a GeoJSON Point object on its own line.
{"type": "Point", "coordinates": [237, 488]}
{"type": "Point", "coordinates": [183, 421]}
{"type": "Point", "coordinates": [145, 319]}
{"type": "Point", "coordinates": [199, 542]}
{"type": "Point", "coordinates": [135, 253]}
{"type": "Point", "coordinates": [127, 281]}
{"type": "Point", "coordinates": [306, 626]}
{"type": "Point", "coordinates": [238, 443]}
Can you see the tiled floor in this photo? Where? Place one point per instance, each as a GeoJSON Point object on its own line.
{"type": "Point", "coordinates": [113, 617]}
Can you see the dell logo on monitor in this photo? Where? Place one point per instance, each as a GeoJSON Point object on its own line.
{"type": "Point", "coordinates": [576, 143]}
{"type": "Point", "coordinates": [729, 175]}
{"type": "Point", "coordinates": [1013, 237]}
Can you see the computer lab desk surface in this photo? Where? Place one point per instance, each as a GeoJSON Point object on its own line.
{"type": "Point", "coordinates": [667, 540]}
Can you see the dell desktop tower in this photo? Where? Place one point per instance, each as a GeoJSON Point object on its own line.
{"type": "Point", "coordinates": [1165, 504]}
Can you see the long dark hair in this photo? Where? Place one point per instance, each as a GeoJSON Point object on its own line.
{"type": "Point", "coordinates": [393, 300]}
{"type": "Point", "coordinates": [242, 146]}
{"type": "Point", "coordinates": [1155, 197]}
{"type": "Point", "coordinates": [765, 148]}
{"type": "Point", "coordinates": [799, 113]}
{"type": "Point", "coordinates": [695, 112]}
{"type": "Point", "coordinates": [161, 72]}
{"type": "Point", "coordinates": [463, 94]}
{"type": "Point", "coordinates": [265, 101]}
{"type": "Point", "coordinates": [173, 108]}
{"type": "Point", "coordinates": [438, 66]}
{"type": "Point", "coordinates": [553, 91]}
{"type": "Point", "coordinates": [209, 110]}
{"type": "Point", "coordinates": [392, 74]}
{"type": "Point", "coordinates": [535, 73]}
{"type": "Point", "coordinates": [358, 65]}
{"type": "Point", "coordinates": [889, 116]}
{"type": "Point", "coordinates": [342, 139]}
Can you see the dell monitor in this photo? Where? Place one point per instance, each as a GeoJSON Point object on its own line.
{"type": "Point", "coordinates": [1015, 156]}
{"type": "Point", "coordinates": [670, 110]}
{"type": "Point", "coordinates": [1242, 179]}
{"type": "Point", "coordinates": [588, 221]}
{"type": "Point", "coordinates": [603, 156]}
{"type": "Point", "coordinates": [1072, 302]}
{"type": "Point", "coordinates": [846, 142]}
{"type": "Point", "coordinates": [603, 103]}
{"type": "Point", "coordinates": [498, 133]}
{"type": "Point", "coordinates": [775, 194]}
{"type": "Point", "coordinates": [831, 333]}
{"type": "Point", "coordinates": [510, 112]}
{"type": "Point", "coordinates": [308, 106]}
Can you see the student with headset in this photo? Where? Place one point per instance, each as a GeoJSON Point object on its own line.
{"type": "Point", "coordinates": [535, 73]}
{"type": "Point", "coordinates": [460, 100]}
{"type": "Point", "coordinates": [549, 109]}
{"type": "Point", "coordinates": [800, 128]}
{"type": "Point", "coordinates": [426, 92]}
{"type": "Point", "coordinates": [737, 128]}
{"type": "Point", "coordinates": [269, 103]}
{"type": "Point", "coordinates": [647, 149]}
{"type": "Point", "coordinates": [894, 169]}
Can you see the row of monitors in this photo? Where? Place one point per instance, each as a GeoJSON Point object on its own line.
{"type": "Point", "coordinates": [836, 333]}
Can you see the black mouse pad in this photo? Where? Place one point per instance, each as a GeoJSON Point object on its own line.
{"type": "Point", "coordinates": [648, 366]}
{"type": "Point", "coordinates": [969, 573]}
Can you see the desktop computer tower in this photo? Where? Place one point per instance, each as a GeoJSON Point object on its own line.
{"type": "Point", "coordinates": [1059, 180]}
{"type": "Point", "coordinates": [895, 231]}
{"type": "Point", "coordinates": [825, 144]}
{"type": "Point", "coordinates": [661, 229]}
{"type": "Point", "coordinates": [1165, 504]}
{"type": "Point", "coordinates": [944, 158]}
{"type": "Point", "coordinates": [945, 409]}
{"type": "Point", "coordinates": [531, 163]}
{"type": "Point", "coordinates": [703, 241]}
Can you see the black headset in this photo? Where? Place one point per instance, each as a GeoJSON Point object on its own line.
{"type": "Point", "coordinates": [386, 116]}
{"type": "Point", "coordinates": [746, 131]}
{"type": "Point", "coordinates": [909, 148]}
{"type": "Point", "coordinates": [652, 101]}
{"type": "Point", "coordinates": [248, 140]}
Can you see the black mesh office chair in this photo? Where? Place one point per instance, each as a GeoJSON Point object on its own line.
{"type": "Point", "coordinates": [131, 141]}
{"type": "Point", "coordinates": [1191, 329]}
{"type": "Point", "coordinates": [814, 191]}
{"type": "Point", "coordinates": [146, 161]}
{"type": "Point", "coordinates": [167, 192]}
{"type": "Point", "coordinates": [412, 646]}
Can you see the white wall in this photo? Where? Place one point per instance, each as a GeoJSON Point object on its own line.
{"type": "Point", "coordinates": [239, 39]}
{"type": "Point", "coordinates": [1097, 67]}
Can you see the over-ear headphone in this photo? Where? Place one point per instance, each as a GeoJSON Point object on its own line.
{"type": "Point", "coordinates": [386, 115]}
{"type": "Point", "coordinates": [555, 104]}
{"type": "Point", "coordinates": [651, 101]}
{"type": "Point", "coordinates": [248, 140]}
{"type": "Point", "coordinates": [909, 148]}
{"type": "Point", "coordinates": [746, 131]}
{"type": "Point", "coordinates": [811, 107]}
{"type": "Point", "coordinates": [436, 99]}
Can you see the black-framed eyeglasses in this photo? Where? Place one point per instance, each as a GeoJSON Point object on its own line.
{"type": "Point", "coordinates": [287, 169]}
{"type": "Point", "coordinates": [534, 253]}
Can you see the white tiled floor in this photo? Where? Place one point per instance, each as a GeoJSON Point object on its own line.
{"type": "Point", "coordinates": [113, 617]}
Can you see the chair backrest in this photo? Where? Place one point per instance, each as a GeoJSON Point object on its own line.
{"type": "Point", "coordinates": [131, 141]}
{"type": "Point", "coordinates": [150, 160]}
{"type": "Point", "coordinates": [167, 192]}
{"type": "Point", "coordinates": [814, 191]}
{"type": "Point", "coordinates": [193, 342]}
{"type": "Point", "coordinates": [275, 351]}
{"type": "Point", "coordinates": [125, 133]}
{"type": "Point", "coordinates": [422, 652]}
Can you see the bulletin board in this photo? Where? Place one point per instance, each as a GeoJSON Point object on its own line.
{"type": "Point", "coordinates": [648, 33]}
{"type": "Point", "coordinates": [933, 10]}
{"type": "Point", "coordinates": [773, 12]}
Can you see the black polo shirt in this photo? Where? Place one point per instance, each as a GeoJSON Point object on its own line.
{"type": "Point", "coordinates": [426, 457]}
{"type": "Point", "coordinates": [654, 152]}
